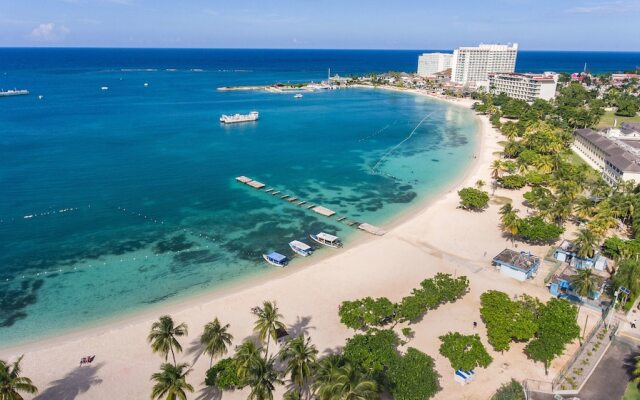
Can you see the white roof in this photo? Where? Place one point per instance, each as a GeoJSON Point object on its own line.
{"type": "Point", "coordinates": [300, 245]}
{"type": "Point", "coordinates": [327, 237]}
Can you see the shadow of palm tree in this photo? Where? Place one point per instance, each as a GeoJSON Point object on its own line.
{"type": "Point", "coordinates": [301, 326]}
{"type": "Point", "coordinates": [196, 349]}
{"type": "Point", "coordinates": [209, 393]}
{"type": "Point", "coordinates": [78, 381]}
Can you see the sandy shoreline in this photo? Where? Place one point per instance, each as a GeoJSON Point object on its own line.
{"type": "Point", "coordinates": [437, 237]}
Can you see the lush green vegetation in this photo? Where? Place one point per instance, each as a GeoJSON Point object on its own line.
{"type": "Point", "coordinates": [464, 352]}
{"type": "Point", "coordinates": [433, 292]}
{"type": "Point", "coordinates": [12, 383]}
{"type": "Point", "coordinates": [413, 376]}
{"type": "Point", "coordinates": [510, 391]}
{"type": "Point", "coordinates": [547, 328]}
{"type": "Point", "coordinates": [557, 327]}
{"type": "Point", "coordinates": [473, 199]}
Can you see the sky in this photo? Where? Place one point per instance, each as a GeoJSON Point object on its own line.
{"type": "Point", "coordinates": [330, 24]}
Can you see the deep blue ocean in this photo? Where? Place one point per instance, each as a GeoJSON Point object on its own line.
{"type": "Point", "coordinates": [120, 199]}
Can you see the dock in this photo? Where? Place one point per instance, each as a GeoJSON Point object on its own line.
{"type": "Point", "coordinates": [323, 211]}
{"type": "Point", "coordinates": [318, 209]}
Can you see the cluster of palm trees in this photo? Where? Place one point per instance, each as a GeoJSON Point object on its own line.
{"type": "Point", "coordinates": [12, 383]}
{"type": "Point", "coordinates": [296, 365]}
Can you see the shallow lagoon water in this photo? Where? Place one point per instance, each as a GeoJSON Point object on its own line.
{"type": "Point", "coordinates": [130, 195]}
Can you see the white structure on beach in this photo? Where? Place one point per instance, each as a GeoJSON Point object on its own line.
{"type": "Point", "coordinates": [430, 64]}
{"type": "Point", "coordinates": [527, 87]}
{"type": "Point", "coordinates": [615, 152]}
{"type": "Point", "coordinates": [471, 65]}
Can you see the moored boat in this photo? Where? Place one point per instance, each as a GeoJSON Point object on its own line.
{"type": "Point", "coordinates": [301, 248]}
{"type": "Point", "coordinates": [14, 92]}
{"type": "Point", "coordinates": [232, 119]}
{"type": "Point", "coordinates": [326, 239]}
{"type": "Point", "coordinates": [276, 259]}
{"type": "Point", "coordinates": [298, 96]}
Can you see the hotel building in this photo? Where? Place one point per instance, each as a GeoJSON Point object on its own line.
{"type": "Point", "coordinates": [431, 63]}
{"type": "Point", "coordinates": [614, 152]}
{"type": "Point", "coordinates": [527, 87]}
{"type": "Point", "coordinates": [471, 65]}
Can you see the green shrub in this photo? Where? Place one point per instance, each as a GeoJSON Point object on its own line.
{"type": "Point", "coordinates": [512, 181]}
{"type": "Point", "coordinates": [473, 199]}
{"type": "Point", "coordinates": [223, 375]}
{"type": "Point", "coordinates": [510, 391]}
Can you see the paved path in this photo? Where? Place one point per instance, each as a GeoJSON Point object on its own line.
{"type": "Point", "coordinates": [610, 378]}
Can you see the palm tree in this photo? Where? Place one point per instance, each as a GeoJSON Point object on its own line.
{"type": "Point", "coordinates": [163, 337]}
{"type": "Point", "coordinates": [247, 355]}
{"type": "Point", "coordinates": [300, 356]}
{"type": "Point", "coordinates": [543, 163]}
{"type": "Point", "coordinates": [584, 207]}
{"type": "Point", "coordinates": [171, 382]}
{"type": "Point", "coordinates": [326, 371]}
{"type": "Point", "coordinates": [636, 371]}
{"type": "Point", "coordinates": [496, 171]}
{"type": "Point", "coordinates": [585, 282]}
{"type": "Point", "coordinates": [268, 323]}
{"type": "Point", "coordinates": [479, 184]}
{"type": "Point", "coordinates": [262, 378]}
{"type": "Point", "coordinates": [216, 339]}
{"type": "Point", "coordinates": [587, 242]}
{"type": "Point", "coordinates": [351, 384]}
{"type": "Point", "coordinates": [509, 220]}
{"type": "Point", "coordinates": [11, 383]}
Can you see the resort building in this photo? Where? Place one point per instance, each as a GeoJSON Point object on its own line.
{"type": "Point", "coordinates": [527, 87]}
{"type": "Point", "coordinates": [429, 64]}
{"type": "Point", "coordinates": [517, 265]}
{"type": "Point", "coordinates": [614, 152]}
{"type": "Point", "coordinates": [472, 65]}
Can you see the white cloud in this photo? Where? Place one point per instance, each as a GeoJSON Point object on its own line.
{"type": "Point", "coordinates": [49, 32]}
{"type": "Point", "coordinates": [606, 7]}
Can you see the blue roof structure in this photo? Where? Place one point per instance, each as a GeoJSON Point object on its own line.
{"type": "Point", "coordinates": [277, 257]}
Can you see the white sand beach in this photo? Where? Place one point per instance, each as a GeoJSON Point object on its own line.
{"type": "Point", "coordinates": [439, 237]}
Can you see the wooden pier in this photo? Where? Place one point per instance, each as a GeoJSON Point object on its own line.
{"type": "Point", "coordinates": [324, 211]}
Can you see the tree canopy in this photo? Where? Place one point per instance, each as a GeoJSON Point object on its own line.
{"type": "Point", "coordinates": [473, 199]}
{"type": "Point", "coordinates": [413, 376]}
{"type": "Point", "coordinates": [464, 352]}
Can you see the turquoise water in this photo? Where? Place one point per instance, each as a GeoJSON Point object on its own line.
{"type": "Point", "coordinates": [130, 193]}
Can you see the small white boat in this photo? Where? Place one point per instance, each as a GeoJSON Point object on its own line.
{"type": "Point", "coordinates": [40, 97]}
{"type": "Point", "coordinates": [276, 259]}
{"type": "Point", "coordinates": [146, 84]}
{"type": "Point", "coordinates": [236, 118]}
{"type": "Point", "coordinates": [298, 96]}
{"type": "Point", "coordinates": [327, 240]}
{"type": "Point", "coordinates": [104, 88]}
{"type": "Point", "coordinates": [301, 248]}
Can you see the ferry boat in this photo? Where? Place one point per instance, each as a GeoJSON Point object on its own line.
{"type": "Point", "coordinates": [298, 96]}
{"type": "Point", "coordinates": [14, 92]}
{"type": "Point", "coordinates": [232, 119]}
{"type": "Point", "coordinates": [327, 240]}
{"type": "Point", "coordinates": [301, 248]}
{"type": "Point", "coordinates": [276, 259]}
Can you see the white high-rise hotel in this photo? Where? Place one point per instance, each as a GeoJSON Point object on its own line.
{"type": "Point", "coordinates": [431, 63]}
{"type": "Point", "coordinates": [471, 65]}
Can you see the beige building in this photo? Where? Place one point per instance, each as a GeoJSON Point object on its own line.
{"type": "Point", "coordinates": [429, 64]}
{"type": "Point", "coordinates": [472, 65]}
{"type": "Point", "coordinates": [615, 152]}
{"type": "Point", "coordinates": [527, 87]}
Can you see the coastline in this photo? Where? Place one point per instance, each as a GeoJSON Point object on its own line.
{"type": "Point", "coordinates": [309, 294]}
{"type": "Point", "coordinates": [242, 283]}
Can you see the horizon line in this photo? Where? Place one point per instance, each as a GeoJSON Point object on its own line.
{"type": "Point", "coordinates": [291, 49]}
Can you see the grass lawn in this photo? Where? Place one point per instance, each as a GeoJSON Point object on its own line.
{"type": "Point", "coordinates": [608, 118]}
{"type": "Point", "coordinates": [632, 392]}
